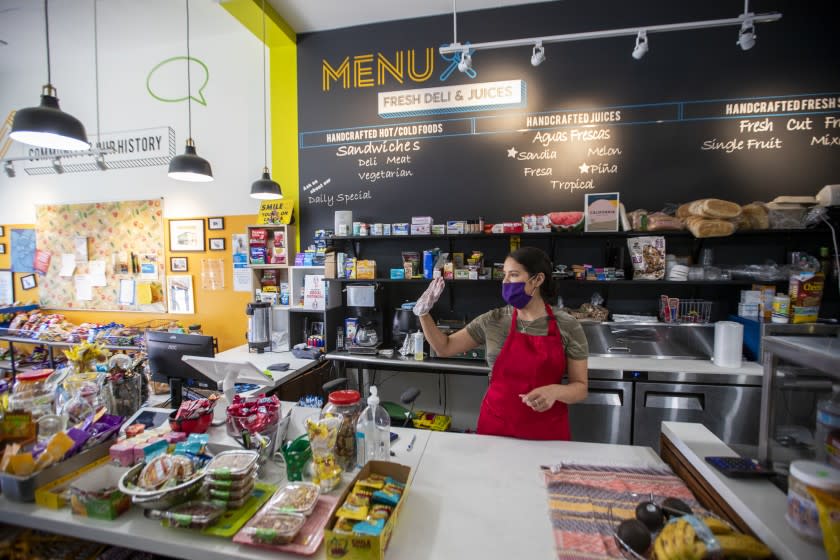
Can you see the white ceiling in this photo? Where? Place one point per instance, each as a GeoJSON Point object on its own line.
{"type": "Point", "coordinates": [318, 15]}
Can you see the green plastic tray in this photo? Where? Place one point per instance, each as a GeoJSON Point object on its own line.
{"type": "Point", "coordinates": [233, 519]}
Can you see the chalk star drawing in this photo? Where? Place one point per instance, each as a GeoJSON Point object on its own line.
{"type": "Point", "coordinates": [512, 152]}
{"type": "Point", "coordinates": [583, 168]}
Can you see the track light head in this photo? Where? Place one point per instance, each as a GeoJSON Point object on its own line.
{"type": "Point", "coordinates": [466, 61]}
{"type": "Point", "coordinates": [538, 55]}
{"type": "Point", "coordinates": [59, 168]}
{"type": "Point", "coordinates": [746, 36]}
{"type": "Point", "coordinates": [9, 168]}
{"type": "Point", "coordinates": [641, 47]}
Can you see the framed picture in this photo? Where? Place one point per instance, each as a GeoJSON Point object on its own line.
{"type": "Point", "coordinates": [7, 288]}
{"type": "Point", "coordinates": [2, 248]}
{"type": "Point", "coordinates": [27, 282]}
{"type": "Point", "coordinates": [178, 264]}
{"type": "Point", "coordinates": [217, 243]}
{"type": "Point", "coordinates": [186, 235]}
{"type": "Point", "coordinates": [215, 223]}
{"type": "Point", "coordinates": [180, 293]}
{"type": "Point", "coordinates": [601, 211]}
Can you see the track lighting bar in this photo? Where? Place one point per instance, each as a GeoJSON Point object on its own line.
{"type": "Point", "coordinates": [623, 32]}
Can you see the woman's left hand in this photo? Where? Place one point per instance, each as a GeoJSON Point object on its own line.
{"type": "Point", "coordinates": [541, 398]}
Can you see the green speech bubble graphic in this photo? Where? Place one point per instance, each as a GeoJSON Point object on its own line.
{"type": "Point", "coordinates": [163, 83]}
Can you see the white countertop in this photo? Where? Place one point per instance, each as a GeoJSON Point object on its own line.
{"type": "Point", "coordinates": [251, 367]}
{"type": "Point", "coordinates": [484, 497]}
{"type": "Point", "coordinates": [672, 365]}
{"type": "Point", "coordinates": [758, 502]}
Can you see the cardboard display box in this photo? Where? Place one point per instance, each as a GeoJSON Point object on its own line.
{"type": "Point", "coordinates": [357, 547]}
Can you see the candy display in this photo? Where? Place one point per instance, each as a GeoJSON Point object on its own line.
{"type": "Point", "coordinates": [322, 437]}
{"type": "Point", "coordinates": [256, 415]}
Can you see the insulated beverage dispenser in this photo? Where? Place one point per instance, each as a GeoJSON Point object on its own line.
{"type": "Point", "coordinates": [259, 325]}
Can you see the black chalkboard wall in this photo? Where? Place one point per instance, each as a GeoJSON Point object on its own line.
{"type": "Point", "coordinates": [669, 129]}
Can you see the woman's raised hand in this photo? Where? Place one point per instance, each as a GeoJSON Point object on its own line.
{"type": "Point", "coordinates": [429, 298]}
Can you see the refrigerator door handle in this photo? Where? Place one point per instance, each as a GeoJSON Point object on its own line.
{"type": "Point", "coordinates": [604, 397]}
{"type": "Point", "coordinates": [682, 401]}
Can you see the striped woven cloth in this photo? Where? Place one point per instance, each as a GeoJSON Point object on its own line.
{"type": "Point", "coordinates": [580, 496]}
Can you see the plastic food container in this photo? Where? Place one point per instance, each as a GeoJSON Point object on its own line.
{"type": "Point", "coordinates": [299, 497]}
{"type": "Point", "coordinates": [33, 393]}
{"type": "Point", "coordinates": [232, 465]}
{"type": "Point", "coordinates": [228, 485]}
{"type": "Point", "coordinates": [802, 514]}
{"type": "Point", "coordinates": [232, 494]}
{"type": "Point", "coordinates": [273, 527]}
{"type": "Point", "coordinates": [232, 504]}
{"type": "Point", "coordinates": [347, 406]}
{"type": "Point", "coordinates": [192, 515]}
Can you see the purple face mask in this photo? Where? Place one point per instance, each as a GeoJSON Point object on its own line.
{"type": "Point", "coordinates": [514, 294]}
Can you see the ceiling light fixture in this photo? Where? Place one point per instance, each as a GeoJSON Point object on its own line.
{"type": "Point", "coordinates": [9, 168]}
{"type": "Point", "coordinates": [641, 47]}
{"type": "Point", "coordinates": [265, 188]}
{"type": "Point", "coordinates": [538, 56]}
{"type": "Point", "coordinates": [47, 125]}
{"type": "Point", "coordinates": [189, 166]}
{"type": "Point", "coordinates": [745, 20]}
{"type": "Point", "coordinates": [466, 61]}
{"type": "Point", "coordinates": [746, 35]}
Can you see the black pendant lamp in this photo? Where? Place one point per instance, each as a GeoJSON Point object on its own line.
{"type": "Point", "coordinates": [265, 188]}
{"type": "Point", "coordinates": [189, 166]}
{"type": "Point", "coordinates": [47, 125]}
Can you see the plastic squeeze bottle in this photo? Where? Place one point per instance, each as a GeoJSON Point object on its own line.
{"type": "Point", "coordinates": [373, 432]}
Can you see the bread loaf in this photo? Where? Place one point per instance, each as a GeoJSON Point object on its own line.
{"type": "Point", "coordinates": [714, 208]}
{"type": "Point", "coordinates": [706, 227]}
{"type": "Point", "coordinates": [754, 216]}
{"type": "Point", "coordinates": [682, 211]}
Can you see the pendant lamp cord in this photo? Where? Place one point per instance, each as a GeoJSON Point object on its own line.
{"type": "Point", "coordinates": [189, 84]}
{"type": "Point", "coordinates": [454, 24]}
{"type": "Point", "coordinates": [265, 113]}
{"type": "Point", "coordinates": [47, 25]}
{"type": "Point", "coordinates": [96, 66]}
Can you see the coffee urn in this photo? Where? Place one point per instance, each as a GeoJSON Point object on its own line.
{"type": "Point", "coordinates": [259, 325]}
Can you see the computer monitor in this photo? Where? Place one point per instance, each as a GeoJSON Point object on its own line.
{"type": "Point", "coordinates": [165, 350]}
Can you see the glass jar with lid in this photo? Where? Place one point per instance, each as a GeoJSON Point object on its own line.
{"type": "Point", "coordinates": [33, 392]}
{"type": "Point", "coordinates": [802, 513]}
{"type": "Point", "coordinates": [347, 405]}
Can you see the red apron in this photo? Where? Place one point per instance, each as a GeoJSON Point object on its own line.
{"type": "Point", "coordinates": [525, 363]}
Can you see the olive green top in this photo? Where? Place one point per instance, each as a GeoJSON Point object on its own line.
{"type": "Point", "coordinates": [491, 330]}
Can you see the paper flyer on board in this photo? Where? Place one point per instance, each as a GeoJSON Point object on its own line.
{"type": "Point", "coordinates": [242, 277]}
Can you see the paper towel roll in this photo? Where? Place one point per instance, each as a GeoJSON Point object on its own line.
{"type": "Point", "coordinates": [729, 340]}
{"type": "Point", "coordinates": [345, 218]}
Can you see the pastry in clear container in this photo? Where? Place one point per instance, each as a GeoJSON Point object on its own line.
{"type": "Point", "coordinates": [192, 515]}
{"type": "Point", "coordinates": [232, 465]}
{"type": "Point", "coordinates": [299, 497]}
{"type": "Point", "coordinates": [274, 527]}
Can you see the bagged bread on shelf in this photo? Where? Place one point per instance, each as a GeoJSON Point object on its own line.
{"type": "Point", "coordinates": [784, 215]}
{"type": "Point", "coordinates": [682, 210]}
{"type": "Point", "coordinates": [637, 219]}
{"type": "Point", "coordinates": [714, 208]}
{"type": "Point", "coordinates": [754, 216]}
{"type": "Point", "coordinates": [659, 221]}
{"type": "Point", "coordinates": [705, 227]}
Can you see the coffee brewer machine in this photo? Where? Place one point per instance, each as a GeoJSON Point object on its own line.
{"type": "Point", "coordinates": [405, 322]}
{"type": "Point", "coordinates": [365, 316]}
{"type": "Point", "coordinates": [259, 325]}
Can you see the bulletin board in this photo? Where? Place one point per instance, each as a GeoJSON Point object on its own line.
{"type": "Point", "coordinates": [127, 236]}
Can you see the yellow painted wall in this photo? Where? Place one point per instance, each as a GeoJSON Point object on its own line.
{"type": "Point", "coordinates": [281, 41]}
{"type": "Point", "coordinates": [220, 313]}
